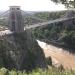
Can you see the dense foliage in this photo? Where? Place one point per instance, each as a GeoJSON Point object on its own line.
{"type": "Point", "coordinates": [28, 20]}
{"type": "Point", "coordinates": [50, 15]}
{"type": "Point", "coordinates": [67, 3]}
{"type": "Point", "coordinates": [50, 71]}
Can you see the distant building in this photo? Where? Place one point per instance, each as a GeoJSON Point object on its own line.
{"type": "Point", "coordinates": [16, 22]}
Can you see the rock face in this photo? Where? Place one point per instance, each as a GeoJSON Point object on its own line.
{"type": "Point", "coordinates": [22, 52]}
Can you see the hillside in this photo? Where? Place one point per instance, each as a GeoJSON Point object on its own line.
{"type": "Point", "coordinates": [50, 71]}
{"type": "Point", "coordinates": [21, 51]}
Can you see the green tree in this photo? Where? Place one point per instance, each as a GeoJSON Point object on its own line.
{"type": "Point", "coordinates": [67, 3]}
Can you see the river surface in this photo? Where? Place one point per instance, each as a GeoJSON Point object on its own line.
{"type": "Point", "coordinates": [59, 55]}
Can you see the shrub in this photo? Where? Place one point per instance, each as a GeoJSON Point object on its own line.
{"type": "Point", "coordinates": [49, 60]}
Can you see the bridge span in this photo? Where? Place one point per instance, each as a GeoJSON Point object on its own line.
{"type": "Point", "coordinates": [7, 32]}
{"type": "Point", "coordinates": [48, 22]}
{"type": "Point", "coordinates": [16, 23]}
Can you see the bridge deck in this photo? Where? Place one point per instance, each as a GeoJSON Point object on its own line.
{"type": "Point", "coordinates": [46, 23]}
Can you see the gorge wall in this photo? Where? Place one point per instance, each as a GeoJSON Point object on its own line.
{"type": "Point", "coordinates": [21, 51]}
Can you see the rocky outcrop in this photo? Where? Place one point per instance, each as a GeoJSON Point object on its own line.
{"type": "Point", "coordinates": [23, 52]}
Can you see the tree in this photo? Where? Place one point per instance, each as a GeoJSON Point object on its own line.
{"type": "Point", "coordinates": [67, 3]}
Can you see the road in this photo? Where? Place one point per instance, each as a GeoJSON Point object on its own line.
{"type": "Point", "coordinates": [58, 55]}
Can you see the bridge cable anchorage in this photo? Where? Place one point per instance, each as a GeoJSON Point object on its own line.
{"type": "Point", "coordinates": [46, 23]}
{"type": "Point", "coordinates": [34, 17]}
{"type": "Point", "coordinates": [4, 13]}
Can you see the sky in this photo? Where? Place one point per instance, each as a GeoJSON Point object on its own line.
{"type": "Point", "coordinates": [31, 5]}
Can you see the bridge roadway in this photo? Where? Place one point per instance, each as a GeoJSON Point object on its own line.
{"type": "Point", "coordinates": [7, 32]}
{"type": "Point", "coordinates": [46, 23]}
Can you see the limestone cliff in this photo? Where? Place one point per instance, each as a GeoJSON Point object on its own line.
{"type": "Point", "coordinates": [21, 52]}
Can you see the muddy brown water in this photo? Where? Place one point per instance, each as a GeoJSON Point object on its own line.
{"type": "Point", "coordinates": [59, 55]}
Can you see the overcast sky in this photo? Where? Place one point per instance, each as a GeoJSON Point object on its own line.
{"type": "Point", "coordinates": [31, 5]}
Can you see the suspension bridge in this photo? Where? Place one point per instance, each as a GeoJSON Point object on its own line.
{"type": "Point", "coordinates": [16, 22]}
{"type": "Point", "coordinates": [16, 25]}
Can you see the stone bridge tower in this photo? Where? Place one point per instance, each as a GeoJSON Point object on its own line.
{"type": "Point", "coordinates": [16, 23]}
